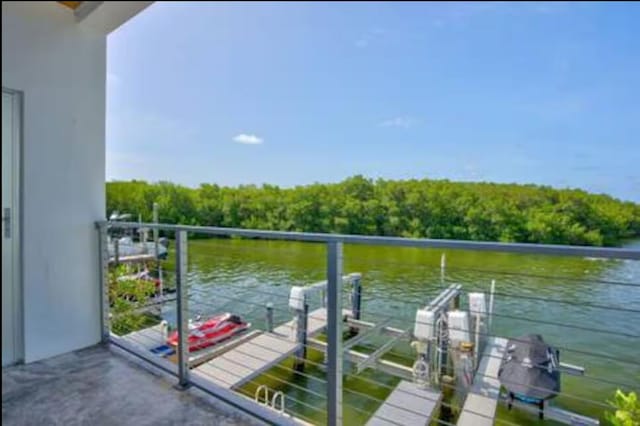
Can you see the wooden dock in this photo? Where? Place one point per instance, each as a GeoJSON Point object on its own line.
{"type": "Point", "coordinates": [255, 356]}
{"type": "Point", "coordinates": [152, 337]}
{"type": "Point", "coordinates": [408, 404]}
{"type": "Point", "coordinates": [480, 406]}
{"type": "Point", "coordinates": [147, 338]}
{"type": "Point", "coordinates": [243, 357]}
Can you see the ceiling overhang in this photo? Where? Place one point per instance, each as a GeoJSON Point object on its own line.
{"type": "Point", "coordinates": [73, 5]}
{"type": "Point", "coordinates": [102, 16]}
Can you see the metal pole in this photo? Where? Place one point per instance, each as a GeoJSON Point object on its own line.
{"type": "Point", "coordinates": [334, 333]}
{"type": "Point", "coordinates": [104, 282]}
{"type": "Point", "coordinates": [269, 317]}
{"type": "Point", "coordinates": [183, 322]}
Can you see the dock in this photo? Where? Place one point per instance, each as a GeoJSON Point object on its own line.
{"type": "Point", "coordinates": [238, 360]}
{"type": "Point", "coordinates": [408, 404]}
{"type": "Point", "coordinates": [480, 405]}
{"type": "Point", "coordinates": [243, 357]}
{"type": "Point", "coordinates": [147, 338]}
{"type": "Point", "coordinates": [152, 337]}
{"type": "Point", "coordinates": [248, 360]}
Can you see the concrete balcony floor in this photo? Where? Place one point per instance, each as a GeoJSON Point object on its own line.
{"type": "Point", "coordinates": [101, 386]}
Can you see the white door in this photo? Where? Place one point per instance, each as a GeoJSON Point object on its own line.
{"type": "Point", "coordinates": [11, 292]}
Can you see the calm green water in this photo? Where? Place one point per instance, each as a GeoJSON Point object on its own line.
{"type": "Point", "coordinates": [241, 276]}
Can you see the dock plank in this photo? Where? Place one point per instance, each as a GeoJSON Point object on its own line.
{"type": "Point", "coordinates": [408, 404]}
{"type": "Point", "coordinates": [147, 338]}
{"type": "Point", "coordinates": [480, 405]}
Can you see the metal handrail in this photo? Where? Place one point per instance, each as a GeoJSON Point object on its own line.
{"type": "Point", "coordinates": [523, 248]}
{"type": "Point", "coordinates": [335, 347]}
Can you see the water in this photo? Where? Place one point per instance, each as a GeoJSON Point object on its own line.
{"type": "Point", "coordinates": [565, 293]}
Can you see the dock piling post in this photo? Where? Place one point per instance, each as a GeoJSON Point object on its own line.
{"type": "Point", "coordinates": [301, 338]}
{"type": "Point", "coordinates": [183, 322]}
{"type": "Point", "coordinates": [493, 289]}
{"type": "Point", "coordinates": [269, 307]}
{"type": "Point", "coordinates": [455, 303]}
{"type": "Point", "coordinates": [116, 251]}
{"type": "Point", "coordinates": [356, 300]}
{"type": "Point", "coordinates": [334, 333]}
{"type": "Point", "coordinates": [155, 230]}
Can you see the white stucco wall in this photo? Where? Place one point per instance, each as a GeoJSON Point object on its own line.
{"type": "Point", "coordinates": [60, 67]}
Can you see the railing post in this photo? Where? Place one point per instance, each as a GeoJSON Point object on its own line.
{"type": "Point", "coordinates": [103, 259]}
{"type": "Point", "coordinates": [334, 333]}
{"type": "Point", "coordinates": [183, 320]}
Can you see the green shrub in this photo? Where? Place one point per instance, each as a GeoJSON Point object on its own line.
{"type": "Point", "coordinates": [627, 409]}
{"type": "Point", "coordinates": [126, 297]}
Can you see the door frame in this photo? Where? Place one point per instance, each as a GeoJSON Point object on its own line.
{"type": "Point", "coordinates": [16, 220]}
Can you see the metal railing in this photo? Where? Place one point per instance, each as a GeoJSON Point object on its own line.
{"type": "Point", "coordinates": [336, 352]}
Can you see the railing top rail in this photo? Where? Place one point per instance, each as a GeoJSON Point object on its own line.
{"type": "Point", "coordinates": [523, 248]}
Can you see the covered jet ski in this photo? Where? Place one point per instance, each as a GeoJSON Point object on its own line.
{"type": "Point", "coordinates": [529, 370]}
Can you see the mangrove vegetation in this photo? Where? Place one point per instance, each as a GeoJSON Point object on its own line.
{"type": "Point", "coordinates": [408, 208]}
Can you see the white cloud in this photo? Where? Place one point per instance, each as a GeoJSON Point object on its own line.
{"type": "Point", "coordinates": [403, 122]}
{"type": "Point", "coordinates": [248, 139]}
{"type": "Point", "coordinates": [370, 37]}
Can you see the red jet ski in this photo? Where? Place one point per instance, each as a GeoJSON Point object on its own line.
{"type": "Point", "coordinates": [211, 331]}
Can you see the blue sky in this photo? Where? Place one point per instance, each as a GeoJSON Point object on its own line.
{"type": "Point", "coordinates": [295, 93]}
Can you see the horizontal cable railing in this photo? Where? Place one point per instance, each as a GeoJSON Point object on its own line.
{"type": "Point", "coordinates": [352, 348]}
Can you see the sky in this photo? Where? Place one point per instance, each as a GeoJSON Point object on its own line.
{"type": "Point", "coordinates": [296, 93]}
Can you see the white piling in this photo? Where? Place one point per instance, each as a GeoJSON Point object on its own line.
{"type": "Point", "coordinates": [493, 289]}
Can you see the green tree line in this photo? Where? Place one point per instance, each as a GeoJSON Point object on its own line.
{"type": "Point", "coordinates": [407, 208]}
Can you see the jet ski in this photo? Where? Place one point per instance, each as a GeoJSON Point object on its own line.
{"type": "Point", "coordinates": [203, 334]}
{"type": "Point", "coordinates": [530, 371]}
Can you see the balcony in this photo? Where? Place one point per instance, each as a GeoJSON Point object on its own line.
{"type": "Point", "coordinates": [381, 331]}
{"type": "Point", "coordinates": [102, 386]}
